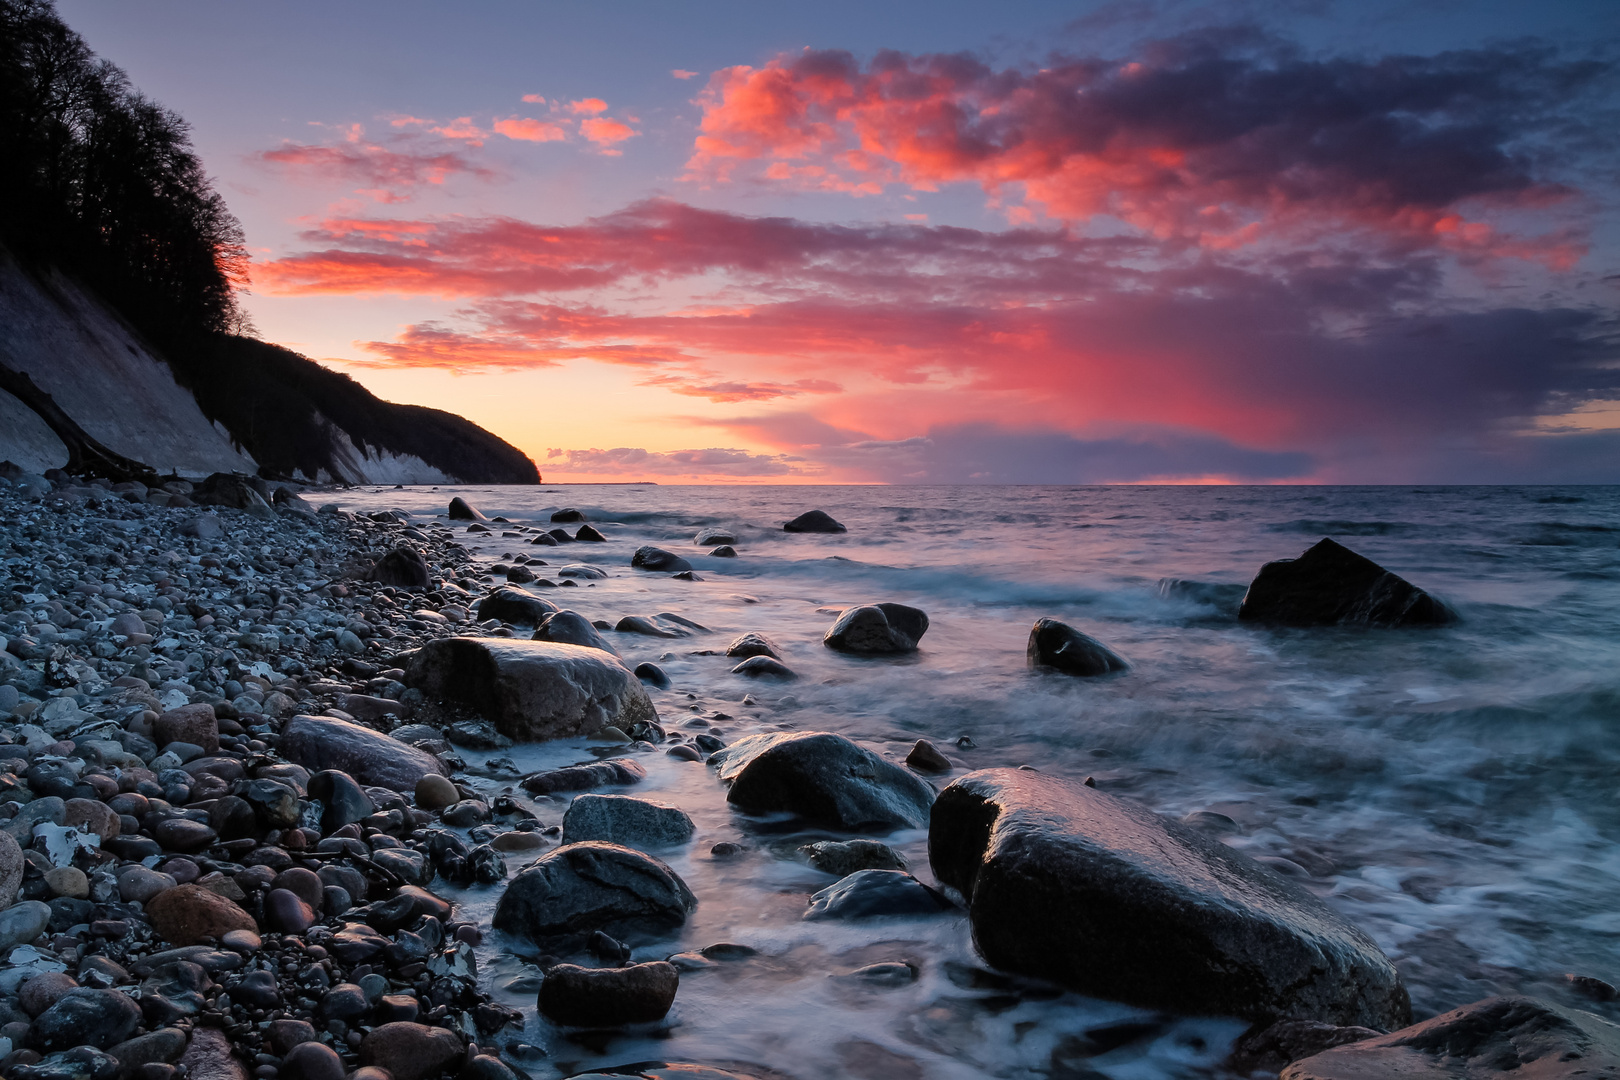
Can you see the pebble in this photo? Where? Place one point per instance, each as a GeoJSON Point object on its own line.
{"type": "Point", "coordinates": [434, 792]}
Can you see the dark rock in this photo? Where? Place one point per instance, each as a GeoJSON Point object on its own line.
{"type": "Point", "coordinates": [656, 558]}
{"type": "Point", "coordinates": [1497, 1037]}
{"type": "Point", "coordinates": [514, 606]}
{"type": "Point", "coordinates": [608, 997]}
{"type": "Point", "coordinates": [577, 888]}
{"type": "Point", "coordinates": [813, 521]}
{"type": "Point", "coordinates": [1592, 989]}
{"type": "Point", "coordinates": [209, 1057]}
{"type": "Point", "coordinates": [162, 1045]}
{"type": "Point", "coordinates": [520, 575]}
{"type": "Point", "coordinates": [571, 628]}
{"type": "Point", "coordinates": [403, 568]}
{"type": "Point", "coordinates": [763, 667]}
{"type": "Point", "coordinates": [620, 819]}
{"type": "Point", "coordinates": [708, 537]}
{"type": "Point", "coordinates": [324, 742]}
{"type": "Point", "coordinates": [588, 535]}
{"type": "Point", "coordinates": [195, 724]}
{"type": "Point", "coordinates": [394, 1008]}
{"type": "Point", "coordinates": [257, 989]}
{"type": "Point", "coordinates": [235, 491]}
{"type": "Point", "coordinates": [42, 991]}
{"type": "Point", "coordinates": [312, 1061]}
{"type": "Point", "coordinates": [869, 893]}
{"type": "Point", "coordinates": [1066, 883]}
{"type": "Point", "coordinates": [274, 804]}
{"type": "Point", "coordinates": [638, 624]}
{"type": "Point", "coordinates": [79, 1063]}
{"type": "Point", "coordinates": [466, 813]}
{"type": "Point", "coordinates": [1063, 648]}
{"type": "Point", "coordinates": [182, 834]}
{"type": "Point", "coordinates": [462, 510]}
{"type": "Point", "coordinates": [1274, 1046]}
{"type": "Point", "coordinates": [84, 1017]}
{"type": "Point", "coordinates": [844, 857]}
{"type": "Point", "coordinates": [356, 943]}
{"type": "Point", "coordinates": [186, 914]}
{"type": "Point", "coordinates": [612, 772]}
{"type": "Point", "coordinates": [286, 1034]}
{"type": "Point", "coordinates": [345, 1001]}
{"type": "Point", "coordinates": [411, 1051]}
{"type": "Point", "coordinates": [342, 801]}
{"type": "Point", "coordinates": [724, 551]}
{"type": "Point", "coordinates": [752, 644]}
{"type": "Point", "coordinates": [232, 818]}
{"type": "Point", "coordinates": [533, 689]}
{"type": "Point", "coordinates": [925, 757]}
{"type": "Point", "coordinates": [1331, 585]}
{"type": "Point", "coordinates": [286, 912]}
{"type": "Point", "coordinates": [652, 673]}
{"type": "Point", "coordinates": [560, 536]}
{"type": "Point", "coordinates": [567, 516]}
{"type": "Point", "coordinates": [877, 628]}
{"type": "Point", "coordinates": [822, 777]}
{"type": "Point", "coordinates": [486, 1067]}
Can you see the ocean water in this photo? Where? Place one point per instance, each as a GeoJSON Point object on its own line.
{"type": "Point", "coordinates": [1455, 792]}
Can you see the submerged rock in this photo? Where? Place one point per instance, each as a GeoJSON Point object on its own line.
{"type": "Point", "coordinates": [567, 516]}
{"type": "Point", "coordinates": [533, 689]}
{"type": "Point", "coordinates": [1498, 1037]}
{"type": "Point", "coordinates": [844, 857]}
{"type": "Point", "coordinates": [462, 510]}
{"type": "Point", "coordinates": [656, 558]}
{"type": "Point", "coordinates": [752, 644]}
{"type": "Point", "coordinates": [814, 521]}
{"type": "Point", "coordinates": [1222, 596]}
{"type": "Point", "coordinates": [1066, 883]}
{"type": "Point", "coordinates": [1331, 585]}
{"type": "Point", "coordinates": [868, 894]}
{"type": "Point", "coordinates": [584, 777]}
{"type": "Point", "coordinates": [877, 628]}
{"type": "Point", "coordinates": [822, 777]}
{"type": "Point", "coordinates": [571, 628]}
{"type": "Point", "coordinates": [578, 888]}
{"type": "Point", "coordinates": [1061, 647]}
{"type": "Point", "coordinates": [621, 819]}
{"type": "Point", "coordinates": [325, 742]}
{"type": "Point", "coordinates": [608, 997]}
{"type": "Point", "coordinates": [514, 606]}
{"type": "Point", "coordinates": [757, 667]}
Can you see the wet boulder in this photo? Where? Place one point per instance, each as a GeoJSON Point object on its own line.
{"type": "Point", "coordinates": [186, 914]}
{"type": "Point", "coordinates": [877, 628]}
{"type": "Point", "coordinates": [763, 667]}
{"type": "Point", "coordinates": [514, 606]}
{"type": "Point", "coordinates": [711, 537]}
{"type": "Point", "coordinates": [533, 689]}
{"type": "Point", "coordinates": [571, 628]}
{"type": "Point", "coordinates": [325, 742]}
{"type": "Point", "coordinates": [656, 558]}
{"type": "Point", "coordinates": [814, 521]}
{"type": "Point", "coordinates": [844, 857]}
{"type": "Point", "coordinates": [403, 568]}
{"type": "Point", "coordinates": [579, 888]}
{"type": "Point", "coordinates": [410, 1051]}
{"type": "Point", "coordinates": [85, 1017]}
{"type": "Point", "coordinates": [608, 997]}
{"type": "Point", "coordinates": [462, 510]}
{"type": "Point", "coordinates": [567, 516]}
{"type": "Point", "coordinates": [621, 819]}
{"type": "Point", "coordinates": [1060, 647]}
{"type": "Point", "coordinates": [1330, 585]}
{"type": "Point", "coordinates": [593, 774]}
{"type": "Point", "coordinates": [341, 800]}
{"type": "Point", "coordinates": [868, 894]}
{"type": "Point", "coordinates": [1066, 883]}
{"type": "Point", "coordinates": [245, 493]}
{"type": "Point", "coordinates": [752, 644]}
{"type": "Point", "coordinates": [824, 778]}
{"type": "Point", "coordinates": [1498, 1037]}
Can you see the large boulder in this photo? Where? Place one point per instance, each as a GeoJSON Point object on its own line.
{"type": "Point", "coordinates": [462, 510]}
{"type": "Point", "coordinates": [579, 888]}
{"type": "Point", "coordinates": [533, 689]}
{"type": "Point", "coordinates": [608, 997]}
{"type": "Point", "coordinates": [814, 521]}
{"type": "Point", "coordinates": [567, 627]}
{"type": "Point", "coordinates": [1331, 585]}
{"type": "Point", "coordinates": [1061, 647]}
{"type": "Point", "coordinates": [239, 492]}
{"type": "Point", "coordinates": [1500, 1037]}
{"type": "Point", "coordinates": [656, 558]}
{"type": "Point", "coordinates": [325, 742]}
{"type": "Point", "coordinates": [186, 914]}
{"type": "Point", "coordinates": [622, 819]}
{"type": "Point", "coordinates": [824, 778]}
{"type": "Point", "coordinates": [402, 568]}
{"type": "Point", "coordinates": [411, 1051]}
{"type": "Point", "coordinates": [877, 628]}
{"type": "Point", "coordinates": [1066, 883]}
{"type": "Point", "coordinates": [514, 606]}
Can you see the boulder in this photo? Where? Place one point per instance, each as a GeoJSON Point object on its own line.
{"type": "Point", "coordinates": [340, 800]}
{"type": "Point", "coordinates": [824, 778]}
{"type": "Point", "coordinates": [514, 606]}
{"type": "Point", "coordinates": [621, 819]}
{"type": "Point", "coordinates": [813, 521]}
{"type": "Point", "coordinates": [1331, 585]}
{"type": "Point", "coordinates": [411, 1051]}
{"type": "Point", "coordinates": [571, 628]}
{"type": "Point", "coordinates": [402, 568]}
{"type": "Point", "coordinates": [1066, 883]}
{"type": "Point", "coordinates": [608, 997]}
{"type": "Point", "coordinates": [532, 689]}
{"type": "Point", "coordinates": [461, 510]}
{"type": "Point", "coordinates": [236, 491]}
{"type": "Point", "coordinates": [877, 628]}
{"type": "Point", "coordinates": [844, 857]}
{"type": "Point", "coordinates": [656, 558]}
{"type": "Point", "coordinates": [85, 1017]}
{"type": "Point", "coordinates": [195, 724]}
{"type": "Point", "coordinates": [710, 537]}
{"type": "Point", "coordinates": [587, 535]}
{"type": "Point", "coordinates": [1061, 647]}
{"type": "Point", "coordinates": [325, 742]}
{"type": "Point", "coordinates": [752, 644]}
{"type": "Point", "coordinates": [867, 894]}
{"type": "Point", "coordinates": [186, 914]}
{"type": "Point", "coordinates": [593, 774]}
{"type": "Point", "coordinates": [1520, 1038]}
{"type": "Point", "coordinates": [925, 757]}
{"type": "Point", "coordinates": [578, 888]}
{"type": "Point", "coordinates": [763, 667]}
{"type": "Point", "coordinates": [567, 516]}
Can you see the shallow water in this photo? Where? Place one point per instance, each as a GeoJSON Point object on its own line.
{"type": "Point", "coordinates": [1451, 791]}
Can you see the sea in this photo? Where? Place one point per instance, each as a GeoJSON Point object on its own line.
{"type": "Point", "coordinates": [1454, 792]}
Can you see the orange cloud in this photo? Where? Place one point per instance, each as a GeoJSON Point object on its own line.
{"type": "Point", "coordinates": [528, 130]}
{"type": "Point", "coordinates": [588, 107]}
{"type": "Point", "coordinates": [533, 99]}
{"type": "Point", "coordinates": [605, 131]}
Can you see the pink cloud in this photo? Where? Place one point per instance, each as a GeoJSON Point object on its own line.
{"type": "Point", "coordinates": [533, 99]}
{"type": "Point", "coordinates": [605, 131]}
{"type": "Point", "coordinates": [588, 107]}
{"type": "Point", "coordinates": [386, 173]}
{"type": "Point", "coordinates": [529, 130]}
{"type": "Point", "coordinates": [682, 73]}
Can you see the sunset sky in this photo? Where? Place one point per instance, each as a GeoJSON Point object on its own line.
{"type": "Point", "coordinates": [1358, 242]}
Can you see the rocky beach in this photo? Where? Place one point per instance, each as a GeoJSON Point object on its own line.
{"type": "Point", "coordinates": [391, 785]}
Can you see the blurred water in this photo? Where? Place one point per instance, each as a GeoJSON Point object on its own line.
{"type": "Point", "coordinates": [1451, 791]}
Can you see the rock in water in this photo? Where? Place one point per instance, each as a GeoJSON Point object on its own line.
{"type": "Point", "coordinates": [614, 771]}
{"type": "Point", "coordinates": [462, 510]}
{"type": "Point", "coordinates": [533, 689]}
{"type": "Point", "coordinates": [813, 521]}
{"type": "Point", "coordinates": [588, 535]}
{"type": "Point", "coordinates": [514, 606]}
{"type": "Point", "coordinates": [867, 894]}
{"type": "Point", "coordinates": [711, 537]}
{"type": "Point", "coordinates": [621, 819]}
{"type": "Point", "coordinates": [1498, 1037]}
{"type": "Point", "coordinates": [763, 667]}
{"type": "Point", "coordinates": [608, 997]}
{"type": "Point", "coordinates": [1331, 585]}
{"type": "Point", "coordinates": [578, 888]}
{"type": "Point", "coordinates": [752, 644]}
{"type": "Point", "coordinates": [656, 558]}
{"type": "Point", "coordinates": [822, 777]}
{"type": "Point", "coordinates": [844, 857]}
{"type": "Point", "coordinates": [325, 742]}
{"type": "Point", "coordinates": [402, 568]}
{"type": "Point", "coordinates": [925, 757]}
{"type": "Point", "coordinates": [571, 628]}
{"type": "Point", "coordinates": [1063, 648]}
{"type": "Point", "coordinates": [877, 628]}
{"type": "Point", "coordinates": [567, 515]}
{"type": "Point", "coordinates": [1104, 896]}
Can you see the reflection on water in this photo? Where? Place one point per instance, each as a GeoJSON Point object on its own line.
{"type": "Point", "coordinates": [1451, 791]}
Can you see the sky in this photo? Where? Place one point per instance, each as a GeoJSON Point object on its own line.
{"type": "Point", "coordinates": [1134, 241]}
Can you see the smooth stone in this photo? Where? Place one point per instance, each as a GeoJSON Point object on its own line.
{"type": "Point", "coordinates": [1067, 883]}
{"type": "Point", "coordinates": [586, 534]}
{"type": "Point", "coordinates": [1061, 647]}
{"type": "Point", "coordinates": [411, 1051]}
{"type": "Point", "coordinates": [515, 606]}
{"type": "Point", "coordinates": [877, 629]}
{"type": "Point", "coordinates": [568, 515]}
{"type": "Point", "coordinates": [312, 1061]}
{"type": "Point", "coordinates": [245, 941]}
{"type": "Point", "coordinates": [578, 888]}
{"type": "Point", "coordinates": [345, 1001]}
{"type": "Point", "coordinates": [67, 881]}
{"type": "Point", "coordinates": [1330, 585]}
{"type": "Point", "coordinates": [640, 624]}
{"type": "Point", "coordinates": [532, 840]}
{"type": "Point", "coordinates": [533, 689]}
{"type": "Point", "coordinates": [652, 674]}
{"type": "Point", "coordinates": [209, 1057]}
{"type": "Point", "coordinates": [752, 644]}
{"type": "Point", "coordinates": [611, 772]}
{"type": "Point", "coordinates": [370, 757]}
{"type": "Point", "coordinates": [195, 724]}
{"type": "Point", "coordinates": [724, 551]}
{"type": "Point", "coordinates": [42, 991]}
{"type": "Point", "coordinates": [608, 997]}
{"type": "Point", "coordinates": [461, 510]}
{"type": "Point", "coordinates": [257, 989]}
{"type": "Point", "coordinates": [415, 867]}
{"type": "Point", "coordinates": [186, 914]}
{"type": "Point", "coordinates": [567, 627]}
{"type": "Point", "coordinates": [403, 568]}
{"type": "Point", "coordinates": [162, 1045]}
{"type": "Point", "coordinates": [814, 521]}
{"type": "Point", "coordinates": [925, 757]}
{"type": "Point", "coordinates": [434, 792]}
{"type": "Point", "coordinates": [233, 818]}
{"type": "Point", "coordinates": [85, 1017]}
{"type": "Point", "coordinates": [658, 560]}
{"type": "Point", "coordinates": [139, 885]}
{"type": "Point", "coordinates": [763, 667]}
{"type": "Point", "coordinates": [287, 912]}
{"type": "Point", "coordinates": [868, 894]}
{"type": "Point", "coordinates": [286, 1034]}
{"type": "Point", "coordinates": [22, 923]}
{"type": "Point", "coordinates": [182, 834]}
{"type": "Point", "coordinates": [621, 819]}
{"type": "Point", "coordinates": [843, 857]}
{"type": "Point", "coordinates": [825, 778]}
{"type": "Point", "coordinates": [341, 798]}
{"type": "Point", "coordinates": [710, 537]}
{"type": "Point", "coordinates": [466, 813]}
{"type": "Point", "coordinates": [92, 816]}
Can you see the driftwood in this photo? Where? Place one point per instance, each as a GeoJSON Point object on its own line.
{"type": "Point", "coordinates": [86, 456]}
